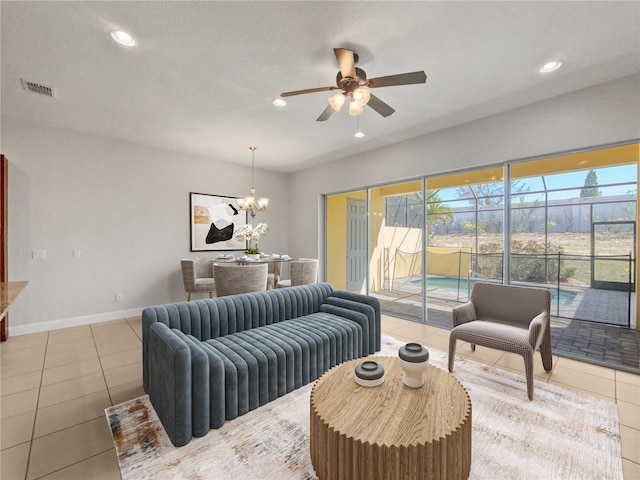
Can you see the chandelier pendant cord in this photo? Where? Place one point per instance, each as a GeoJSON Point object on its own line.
{"type": "Point", "coordinates": [253, 167]}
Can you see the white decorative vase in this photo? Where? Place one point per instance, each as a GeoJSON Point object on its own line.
{"type": "Point", "coordinates": [413, 359]}
{"type": "Point", "coordinates": [253, 256]}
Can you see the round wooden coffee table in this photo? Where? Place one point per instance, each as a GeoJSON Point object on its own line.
{"type": "Point", "coordinates": [390, 431]}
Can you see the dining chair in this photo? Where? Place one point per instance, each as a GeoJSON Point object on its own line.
{"type": "Point", "coordinates": [303, 272]}
{"type": "Point", "coordinates": [233, 279]}
{"type": "Point", "coordinates": [271, 276]}
{"type": "Point", "coordinates": [197, 276]}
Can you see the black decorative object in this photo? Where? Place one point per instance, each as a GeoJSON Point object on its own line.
{"type": "Point", "coordinates": [414, 353]}
{"type": "Point", "coordinates": [369, 374]}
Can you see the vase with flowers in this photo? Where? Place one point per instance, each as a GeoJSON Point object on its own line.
{"type": "Point", "coordinates": [252, 234]}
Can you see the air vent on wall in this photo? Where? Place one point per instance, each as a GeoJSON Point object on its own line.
{"type": "Point", "coordinates": [37, 88]}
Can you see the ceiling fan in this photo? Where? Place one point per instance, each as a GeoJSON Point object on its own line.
{"type": "Point", "coordinates": [354, 85]}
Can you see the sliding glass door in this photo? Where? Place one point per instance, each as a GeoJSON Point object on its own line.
{"type": "Point", "coordinates": [566, 223]}
{"type": "Point", "coordinates": [396, 217]}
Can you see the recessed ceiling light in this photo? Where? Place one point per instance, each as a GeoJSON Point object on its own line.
{"type": "Point", "coordinates": [279, 102]}
{"type": "Point", "coordinates": [359, 134]}
{"type": "Point", "coordinates": [123, 38]}
{"type": "Point", "coordinates": [551, 66]}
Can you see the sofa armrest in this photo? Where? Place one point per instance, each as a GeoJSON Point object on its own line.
{"type": "Point", "coordinates": [537, 328]}
{"type": "Point", "coordinates": [170, 382]}
{"type": "Point", "coordinates": [372, 332]}
{"type": "Point", "coordinates": [463, 314]}
{"type": "Point", "coordinates": [375, 319]}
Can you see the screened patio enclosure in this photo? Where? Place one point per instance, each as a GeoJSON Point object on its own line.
{"type": "Point", "coordinates": [570, 224]}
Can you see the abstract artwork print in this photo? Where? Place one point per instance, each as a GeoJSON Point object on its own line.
{"type": "Point", "coordinates": [214, 219]}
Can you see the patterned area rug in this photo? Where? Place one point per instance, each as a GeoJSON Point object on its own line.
{"type": "Point", "coordinates": [561, 434]}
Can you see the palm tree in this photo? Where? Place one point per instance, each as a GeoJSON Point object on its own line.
{"type": "Point", "coordinates": [437, 213]}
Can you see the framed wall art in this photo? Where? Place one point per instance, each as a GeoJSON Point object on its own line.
{"type": "Point", "coordinates": [214, 219]}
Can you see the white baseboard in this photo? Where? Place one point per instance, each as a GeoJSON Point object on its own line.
{"type": "Point", "coordinates": [73, 322]}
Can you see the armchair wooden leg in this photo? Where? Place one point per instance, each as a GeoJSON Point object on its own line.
{"type": "Point", "coordinates": [189, 297]}
{"type": "Point", "coordinates": [473, 347]}
{"type": "Point", "coordinates": [210, 294]}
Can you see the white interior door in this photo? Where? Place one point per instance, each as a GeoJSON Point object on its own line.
{"type": "Point", "coordinates": [356, 244]}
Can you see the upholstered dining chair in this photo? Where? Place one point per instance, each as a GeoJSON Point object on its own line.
{"type": "Point", "coordinates": [197, 276]}
{"type": "Point", "coordinates": [505, 317]}
{"type": "Point", "coordinates": [303, 272]}
{"type": "Point", "coordinates": [233, 279]}
{"type": "Point", "coordinates": [271, 276]}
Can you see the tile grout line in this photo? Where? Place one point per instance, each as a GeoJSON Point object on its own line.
{"type": "Point", "coordinates": [72, 464]}
{"type": "Point", "coordinates": [37, 405]}
{"type": "Point", "coordinates": [104, 377]}
{"type": "Point", "coordinates": [35, 416]}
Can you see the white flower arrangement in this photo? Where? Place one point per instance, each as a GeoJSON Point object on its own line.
{"type": "Point", "coordinates": [252, 235]}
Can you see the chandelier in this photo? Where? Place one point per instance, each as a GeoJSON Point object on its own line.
{"type": "Point", "coordinates": [250, 204]}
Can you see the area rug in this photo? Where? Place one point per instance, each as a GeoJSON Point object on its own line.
{"type": "Point", "coordinates": [559, 435]}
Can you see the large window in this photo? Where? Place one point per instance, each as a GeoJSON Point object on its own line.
{"type": "Point", "coordinates": [567, 224]}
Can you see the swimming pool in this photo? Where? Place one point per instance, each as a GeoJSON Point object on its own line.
{"type": "Point", "coordinates": [451, 283]}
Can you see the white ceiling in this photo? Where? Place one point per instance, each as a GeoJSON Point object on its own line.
{"type": "Point", "coordinates": [203, 75]}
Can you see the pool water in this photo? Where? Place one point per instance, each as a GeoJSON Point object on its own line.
{"type": "Point", "coordinates": [450, 283]}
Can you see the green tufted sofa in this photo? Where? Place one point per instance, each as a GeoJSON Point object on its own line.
{"type": "Point", "coordinates": [212, 360]}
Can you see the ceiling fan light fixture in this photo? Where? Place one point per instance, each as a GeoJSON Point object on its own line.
{"type": "Point", "coordinates": [361, 96]}
{"type": "Point", "coordinates": [336, 101]}
{"type": "Point", "coordinates": [354, 108]}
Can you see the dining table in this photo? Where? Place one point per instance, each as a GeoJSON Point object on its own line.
{"type": "Point", "coordinates": [246, 259]}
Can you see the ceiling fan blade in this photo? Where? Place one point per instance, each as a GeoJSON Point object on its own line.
{"type": "Point", "coordinates": [324, 116]}
{"type": "Point", "coordinates": [400, 79]}
{"type": "Point", "coordinates": [379, 106]}
{"type": "Point", "coordinates": [346, 61]}
{"type": "Point", "coordinates": [308, 90]}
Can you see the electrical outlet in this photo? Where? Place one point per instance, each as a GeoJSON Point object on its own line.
{"type": "Point", "coordinates": [39, 254]}
{"type": "Point", "coordinates": [119, 297]}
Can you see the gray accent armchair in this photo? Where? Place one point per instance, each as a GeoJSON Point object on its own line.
{"type": "Point", "coordinates": [197, 276]}
{"type": "Point", "coordinates": [508, 318]}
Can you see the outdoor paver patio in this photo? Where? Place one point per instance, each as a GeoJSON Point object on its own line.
{"type": "Point", "coordinates": [607, 345]}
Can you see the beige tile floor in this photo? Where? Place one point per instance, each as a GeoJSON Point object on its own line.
{"type": "Point", "coordinates": [56, 385]}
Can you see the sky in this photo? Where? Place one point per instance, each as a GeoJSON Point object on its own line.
{"type": "Point", "coordinates": [625, 174]}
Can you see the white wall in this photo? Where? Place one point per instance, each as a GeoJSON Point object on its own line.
{"type": "Point", "coordinates": [598, 115]}
{"type": "Point", "coordinates": [126, 208]}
